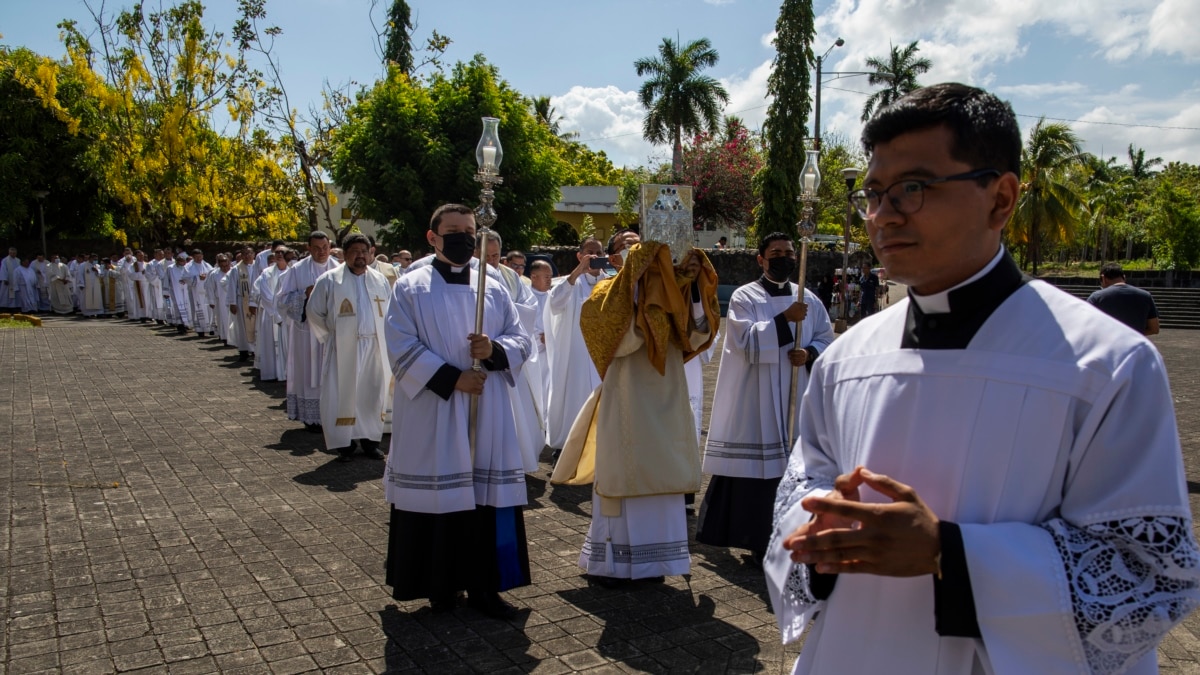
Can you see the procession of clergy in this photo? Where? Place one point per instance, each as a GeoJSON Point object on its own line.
{"type": "Point", "coordinates": [330, 326]}
{"type": "Point", "coordinates": [984, 478]}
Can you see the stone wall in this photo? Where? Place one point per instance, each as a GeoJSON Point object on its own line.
{"type": "Point", "coordinates": [734, 266]}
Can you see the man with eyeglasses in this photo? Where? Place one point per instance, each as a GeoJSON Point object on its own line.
{"type": "Point", "coordinates": [988, 477]}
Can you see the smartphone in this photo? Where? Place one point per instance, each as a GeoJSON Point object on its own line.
{"type": "Point", "coordinates": [599, 263]}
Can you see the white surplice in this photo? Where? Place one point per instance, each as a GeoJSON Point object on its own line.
{"type": "Point", "coordinates": [572, 374]}
{"type": "Point", "coordinates": [177, 296]}
{"type": "Point", "coordinates": [202, 301]}
{"type": "Point", "coordinates": [10, 279]}
{"type": "Point", "coordinates": [218, 293]}
{"type": "Point", "coordinates": [60, 288]}
{"type": "Point", "coordinates": [528, 416]}
{"type": "Point", "coordinates": [305, 353]}
{"type": "Point", "coordinates": [346, 315]}
{"type": "Point", "coordinates": [238, 293]}
{"type": "Point", "coordinates": [92, 298]}
{"type": "Point", "coordinates": [429, 468]}
{"type": "Point", "coordinates": [270, 354]}
{"type": "Point", "coordinates": [27, 293]}
{"type": "Point", "coordinates": [748, 428]}
{"type": "Point", "coordinates": [154, 282]}
{"type": "Point", "coordinates": [538, 368]}
{"type": "Point", "coordinates": [1051, 441]}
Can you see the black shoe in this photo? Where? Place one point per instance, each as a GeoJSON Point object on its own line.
{"type": "Point", "coordinates": [491, 605]}
{"type": "Point", "coordinates": [344, 457]}
{"type": "Point", "coordinates": [313, 428]}
{"type": "Point", "coordinates": [243, 356]}
{"type": "Point", "coordinates": [373, 453]}
{"type": "Point", "coordinates": [653, 580]}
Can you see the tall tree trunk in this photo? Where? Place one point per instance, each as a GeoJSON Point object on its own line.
{"type": "Point", "coordinates": [677, 157]}
{"type": "Point", "coordinates": [1034, 242]}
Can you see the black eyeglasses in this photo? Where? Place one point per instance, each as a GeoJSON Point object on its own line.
{"type": "Point", "coordinates": [911, 194]}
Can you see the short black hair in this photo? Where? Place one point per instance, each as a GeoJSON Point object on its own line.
{"type": "Point", "coordinates": [766, 241]}
{"type": "Point", "coordinates": [356, 238]}
{"type": "Point", "coordinates": [612, 241]}
{"type": "Point", "coordinates": [986, 135]}
{"type": "Point", "coordinates": [276, 244]}
{"type": "Point", "coordinates": [318, 235]}
{"type": "Point", "coordinates": [585, 242]}
{"type": "Point", "coordinates": [436, 219]}
{"type": "Point", "coordinates": [1112, 271]}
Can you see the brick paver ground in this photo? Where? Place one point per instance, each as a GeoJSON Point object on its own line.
{"type": "Point", "coordinates": [158, 512]}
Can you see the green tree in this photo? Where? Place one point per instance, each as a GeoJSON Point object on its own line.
{"type": "Point", "coordinates": [1108, 189]}
{"type": "Point", "coordinates": [778, 182]}
{"type": "Point", "coordinates": [407, 147]}
{"type": "Point", "coordinates": [1050, 204]}
{"type": "Point", "coordinates": [398, 48]}
{"type": "Point", "coordinates": [898, 73]}
{"type": "Point", "coordinates": [1140, 167]}
{"type": "Point", "coordinates": [1174, 224]}
{"type": "Point", "coordinates": [44, 145]}
{"type": "Point", "coordinates": [165, 77]}
{"type": "Point", "coordinates": [678, 99]}
{"type": "Point", "coordinates": [546, 114]}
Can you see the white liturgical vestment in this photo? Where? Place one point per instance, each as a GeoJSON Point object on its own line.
{"type": "Point", "coordinates": [430, 468]}
{"type": "Point", "coordinates": [573, 376]}
{"type": "Point", "coordinates": [346, 314]}
{"type": "Point", "coordinates": [748, 429]}
{"type": "Point", "coordinates": [1049, 439]}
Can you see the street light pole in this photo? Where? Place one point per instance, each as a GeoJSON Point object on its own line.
{"type": "Point", "coordinates": [850, 174]}
{"type": "Point", "coordinates": [817, 98]}
{"type": "Point", "coordinates": [40, 195]}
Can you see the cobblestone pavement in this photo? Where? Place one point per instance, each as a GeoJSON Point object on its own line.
{"type": "Point", "coordinates": [158, 512]}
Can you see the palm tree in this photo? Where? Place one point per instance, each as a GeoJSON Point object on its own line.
{"type": "Point", "coordinates": [546, 114]}
{"type": "Point", "coordinates": [1050, 205]}
{"type": "Point", "coordinates": [677, 98]}
{"type": "Point", "coordinates": [1108, 187]}
{"type": "Point", "coordinates": [898, 74]}
{"type": "Point", "coordinates": [1139, 166]}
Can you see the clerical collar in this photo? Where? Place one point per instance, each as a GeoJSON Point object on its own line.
{"type": "Point", "coordinates": [970, 304]}
{"type": "Point", "coordinates": [774, 288]}
{"type": "Point", "coordinates": [939, 303]}
{"type": "Point", "coordinates": [453, 274]}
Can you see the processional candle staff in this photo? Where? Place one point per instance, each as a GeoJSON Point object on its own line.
{"type": "Point", "coordinates": [488, 155]}
{"type": "Point", "coordinates": [810, 180]}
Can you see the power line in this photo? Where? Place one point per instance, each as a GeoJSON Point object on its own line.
{"type": "Point", "coordinates": [1053, 119]}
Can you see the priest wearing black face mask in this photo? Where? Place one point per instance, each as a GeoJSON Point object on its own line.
{"type": "Point", "coordinates": [456, 521]}
{"type": "Point", "coordinates": [747, 448]}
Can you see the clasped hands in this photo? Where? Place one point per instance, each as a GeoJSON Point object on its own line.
{"type": "Point", "coordinates": [471, 381]}
{"type": "Point", "coordinates": [847, 536]}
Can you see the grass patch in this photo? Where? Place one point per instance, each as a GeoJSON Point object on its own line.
{"type": "Point", "coordinates": [13, 323]}
{"type": "Point", "coordinates": [1091, 269]}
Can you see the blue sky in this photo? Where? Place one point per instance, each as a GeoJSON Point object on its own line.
{"type": "Point", "coordinates": [1127, 70]}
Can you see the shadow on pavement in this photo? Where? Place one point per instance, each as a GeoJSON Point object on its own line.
{"type": "Point", "coordinates": [733, 565]}
{"type": "Point", "coordinates": [299, 442]}
{"type": "Point", "coordinates": [568, 498]}
{"type": "Point", "coordinates": [657, 628]}
{"type": "Point", "coordinates": [416, 640]}
{"type": "Point", "coordinates": [336, 476]}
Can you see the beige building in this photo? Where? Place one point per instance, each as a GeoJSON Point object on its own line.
{"type": "Point", "coordinates": [340, 213]}
{"type": "Point", "coordinates": [599, 202]}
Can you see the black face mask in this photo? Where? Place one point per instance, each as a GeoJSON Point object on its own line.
{"type": "Point", "coordinates": [781, 269]}
{"type": "Point", "coordinates": [458, 247]}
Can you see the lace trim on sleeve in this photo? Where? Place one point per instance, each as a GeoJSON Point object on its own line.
{"type": "Point", "coordinates": [793, 487]}
{"type": "Point", "coordinates": [1131, 581]}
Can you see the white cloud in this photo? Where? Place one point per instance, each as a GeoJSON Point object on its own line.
{"type": "Point", "coordinates": [607, 119]}
{"type": "Point", "coordinates": [718, 2]}
{"type": "Point", "coordinates": [1173, 27]}
{"type": "Point", "coordinates": [1041, 90]}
